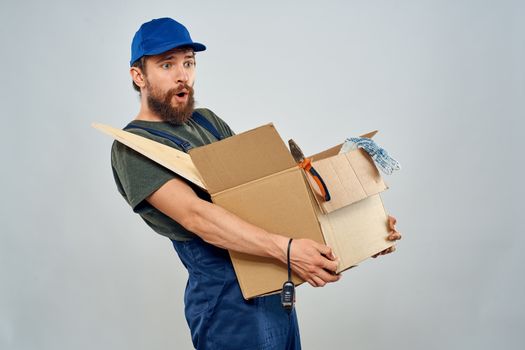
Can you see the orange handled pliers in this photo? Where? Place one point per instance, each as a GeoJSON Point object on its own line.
{"type": "Point", "coordinates": [306, 164]}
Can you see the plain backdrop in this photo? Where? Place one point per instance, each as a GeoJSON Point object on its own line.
{"type": "Point", "coordinates": [443, 81]}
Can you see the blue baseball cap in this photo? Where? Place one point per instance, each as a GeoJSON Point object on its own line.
{"type": "Point", "coordinates": [161, 35]}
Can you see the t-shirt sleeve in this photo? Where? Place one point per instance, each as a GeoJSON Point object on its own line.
{"type": "Point", "coordinates": [137, 176]}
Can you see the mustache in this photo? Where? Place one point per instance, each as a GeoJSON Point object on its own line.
{"type": "Point", "coordinates": [178, 90]}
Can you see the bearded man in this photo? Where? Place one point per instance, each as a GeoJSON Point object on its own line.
{"type": "Point", "coordinates": [163, 72]}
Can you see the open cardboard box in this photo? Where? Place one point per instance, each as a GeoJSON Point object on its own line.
{"type": "Point", "coordinates": [254, 176]}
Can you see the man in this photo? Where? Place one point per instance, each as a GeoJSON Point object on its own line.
{"type": "Point", "coordinates": [163, 71]}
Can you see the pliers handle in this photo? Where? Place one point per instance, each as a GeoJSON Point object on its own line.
{"type": "Point", "coordinates": [306, 164]}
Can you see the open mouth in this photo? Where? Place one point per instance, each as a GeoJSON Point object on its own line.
{"type": "Point", "coordinates": [181, 94]}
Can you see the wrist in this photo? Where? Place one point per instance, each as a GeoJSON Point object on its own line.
{"type": "Point", "coordinates": [279, 248]}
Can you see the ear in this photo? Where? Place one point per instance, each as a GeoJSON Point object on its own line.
{"type": "Point", "coordinates": [138, 76]}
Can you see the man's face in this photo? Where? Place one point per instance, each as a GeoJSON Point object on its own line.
{"type": "Point", "coordinates": [169, 83]}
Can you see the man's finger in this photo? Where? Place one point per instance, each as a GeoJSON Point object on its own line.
{"type": "Point", "coordinates": [326, 251]}
{"type": "Point", "coordinates": [318, 281]}
{"type": "Point", "coordinates": [330, 265]}
{"type": "Point", "coordinates": [389, 250]}
{"type": "Point", "coordinates": [394, 236]}
{"type": "Point", "coordinates": [392, 222]}
{"type": "Point", "coordinates": [328, 277]}
{"type": "Point", "coordinates": [384, 252]}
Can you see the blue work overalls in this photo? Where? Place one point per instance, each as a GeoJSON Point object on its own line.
{"type": "Point", "coordinates": [217, 314]}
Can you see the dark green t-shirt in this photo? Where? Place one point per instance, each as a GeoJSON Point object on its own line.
{"type": "Point", "coordinates": [137, 177]}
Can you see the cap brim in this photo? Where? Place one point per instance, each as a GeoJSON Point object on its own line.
{"type": "Point", "coordinates": [170, 46]}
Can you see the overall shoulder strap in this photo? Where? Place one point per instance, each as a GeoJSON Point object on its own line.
{"type": "Point", "coordinates": [206, 124]}
{"type": "Point", "coordinates": [185, 145]}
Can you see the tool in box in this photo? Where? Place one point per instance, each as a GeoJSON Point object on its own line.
{"type": "Point", "coordinates": [306, 164]}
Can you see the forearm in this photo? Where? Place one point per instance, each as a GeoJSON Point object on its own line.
{"type": "Point", "coordinates": [219, 227]}
{"type": "Point", "coordinates": [214, 224]}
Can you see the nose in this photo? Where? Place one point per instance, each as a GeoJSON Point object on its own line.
{"type": "Point", "coordinates": [181, 74]}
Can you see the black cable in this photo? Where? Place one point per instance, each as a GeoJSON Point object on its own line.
{"type": "Point", "coordinates": [288, 292]}
{"type": "Point", "coordinates": [288, 260]}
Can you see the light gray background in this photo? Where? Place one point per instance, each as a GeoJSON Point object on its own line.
{"type": "Point", "coordinates": [443, 81]}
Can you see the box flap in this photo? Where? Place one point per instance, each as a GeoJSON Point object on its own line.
{"type": "Point", "coordinates": [169, 157]}
{"type": "Point", "coordinates": [335, 150]}
{"type": "Point", "coordinates": [327, 153]}
{"type": "Point", "coordinates": [349, 177]}
{"type": "Point", "coordinates": [242, 158]}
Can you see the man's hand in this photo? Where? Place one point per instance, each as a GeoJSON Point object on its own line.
{"type": "Point", "coordinates": [313, 262]}
{"type": "Point", "coordinates": [393, 235]}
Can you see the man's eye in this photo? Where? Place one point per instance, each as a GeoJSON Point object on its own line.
{"type": "Point", "coordinates": [166, 65]}
{"type": "Point", "coordinates": [189, 64]}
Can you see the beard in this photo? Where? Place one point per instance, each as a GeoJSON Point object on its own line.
{"type": "Point", "coordinates": [162, 106]}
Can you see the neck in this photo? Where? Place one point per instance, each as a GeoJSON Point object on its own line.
{"type": "Point", "coordinates": [145, 113]}
{"type": "Point", "coordinates": [148, 116]}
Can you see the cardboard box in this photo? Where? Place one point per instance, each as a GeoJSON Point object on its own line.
{"type": "Point", "coordinates": [254, 176]}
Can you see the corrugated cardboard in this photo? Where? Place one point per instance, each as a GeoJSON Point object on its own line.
{"type": "Point", "coordinates": [356, 232]}
{"type": "Point", "coordinates": [350, 178]}
{"type": "Point", "coordinates": [254, 176]}
{"type": "Point", "coordinates": [169, 157]}
{"type": "Point", "coordinates": [354, 221]}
